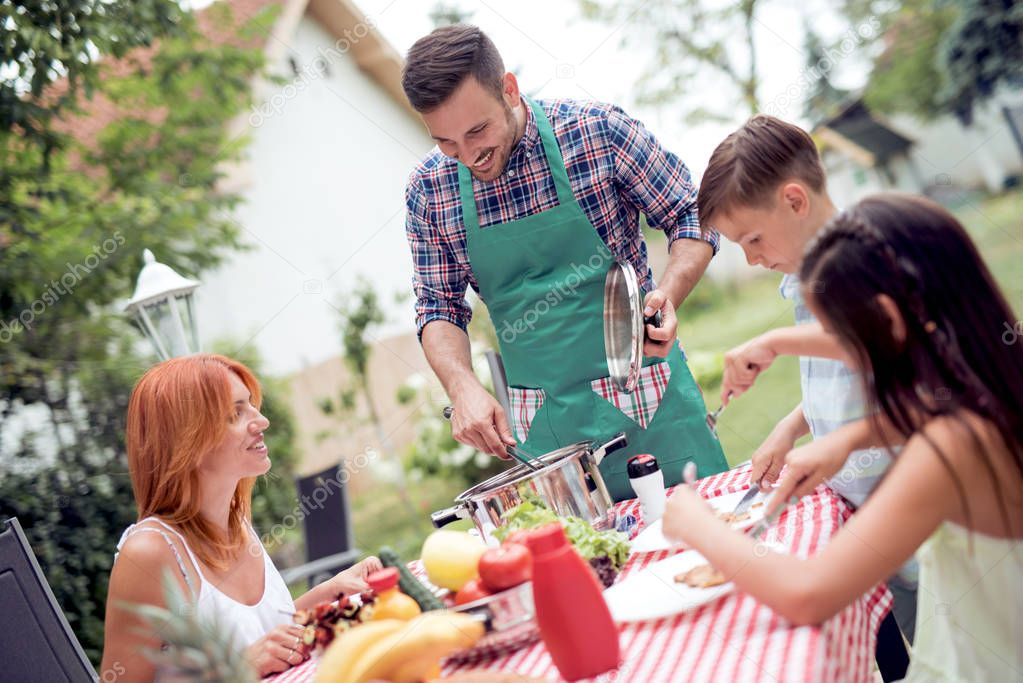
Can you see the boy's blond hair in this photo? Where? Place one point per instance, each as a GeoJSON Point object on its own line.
{"type": "Point", "coordinates": [749, 165]}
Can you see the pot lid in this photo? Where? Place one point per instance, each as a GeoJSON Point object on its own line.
{"type": "Point", "coordinates": [623, 326]}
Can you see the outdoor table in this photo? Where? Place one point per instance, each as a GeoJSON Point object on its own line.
{"type": "Point", "coordinates": [732, 639]}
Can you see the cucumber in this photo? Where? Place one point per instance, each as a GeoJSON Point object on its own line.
{"type": "Point", "coordinates": [409, 584]}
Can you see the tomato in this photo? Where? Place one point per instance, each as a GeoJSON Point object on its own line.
{"type": "Point", "coordinates": [519, 537]}
{"type": "Point", "coordinates": [471, 591]}
{"type": "Point", "coordinates": [505, 566]}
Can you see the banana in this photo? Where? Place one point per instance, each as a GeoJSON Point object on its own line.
{"type": "Point", "coordinates": [343, 654]}
{"type": "Point", "coordinates": [412, 653]}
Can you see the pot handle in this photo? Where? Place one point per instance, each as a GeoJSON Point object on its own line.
{"type": "Point", "coordinates": [617, 441]}
{"type": "Point", "coordinates": [446, 516]}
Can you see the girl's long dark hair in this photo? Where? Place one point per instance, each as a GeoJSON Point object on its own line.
{"type": "Point", "coordinates": [956, 356]}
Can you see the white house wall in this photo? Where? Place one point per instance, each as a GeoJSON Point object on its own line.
{"type": "Point", "coordinates": [324, 203]}
{"type": "Point", "coordinates": [947, 154]}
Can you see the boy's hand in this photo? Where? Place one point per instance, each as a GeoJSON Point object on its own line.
{"type": "Point", "coordinates": [743, 364]}
{"type": "Point", "coordinates": [808, 466]}
{"type": "Point", "coordinates": [770, 457]}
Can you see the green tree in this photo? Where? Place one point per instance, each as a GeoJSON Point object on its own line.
{"type": "Point", "coordinates": [980, 51]}
{"type": "Point", "coordinates": [691, 39]}
{"type": "Point", "coordinates": [446, 13]}
{"type": "Point", "coordinates": [45, 42]}
{"type": "Point", "coordinates": [75, 214]}
{"type": "Point", "coordinates": [823, 97]}
{"type": "Point", "coordinates": [359, 314]}
{"type": "Point", "coordinates": [906, 76]}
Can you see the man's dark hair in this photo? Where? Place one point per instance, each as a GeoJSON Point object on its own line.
{"type": "Point", "coordinates": [438, 63]}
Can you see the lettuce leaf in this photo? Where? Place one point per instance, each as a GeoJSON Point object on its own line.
{"type": "Point", "coordinates": [590, 543]}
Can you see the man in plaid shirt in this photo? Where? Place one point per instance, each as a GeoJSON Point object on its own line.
{"type": "Point", "coordinates": [491, 174]}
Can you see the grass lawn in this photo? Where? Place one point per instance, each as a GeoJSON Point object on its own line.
{"type": "Point", "coordinates": [737, 315]}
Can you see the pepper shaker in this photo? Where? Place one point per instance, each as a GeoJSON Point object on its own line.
{"type": "Point", "coordinates": [648, 482]}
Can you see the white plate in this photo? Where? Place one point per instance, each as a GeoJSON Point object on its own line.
{"type": "Point", "coordinates": [652, 539]}
{"type": "Point", "coordinates": [653, 594]}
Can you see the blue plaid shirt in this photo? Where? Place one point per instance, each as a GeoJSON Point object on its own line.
{"type": "Point", "coordinates": [617, 170]}
{"type": "Point", "coordinates": [832, 397]}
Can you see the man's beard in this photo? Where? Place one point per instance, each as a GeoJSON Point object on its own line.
{"type": "Point", "coordinates": [502, 152]}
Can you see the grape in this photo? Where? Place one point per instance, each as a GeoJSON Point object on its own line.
{"type": "Point", "coordinates": [605, 570]}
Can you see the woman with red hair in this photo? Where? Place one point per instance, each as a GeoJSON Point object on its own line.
{"type": "Point", "coordinates": [195, 447]}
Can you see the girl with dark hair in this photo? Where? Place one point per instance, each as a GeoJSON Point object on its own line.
{"type": "Point", "coordinates": [901, 286]}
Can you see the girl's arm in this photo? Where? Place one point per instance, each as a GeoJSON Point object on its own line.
{"type": "Point", "coordinates": [912, 501]}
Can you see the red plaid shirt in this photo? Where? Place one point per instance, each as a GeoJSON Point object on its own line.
{"type": "Point", "coordinates": [617, 169]}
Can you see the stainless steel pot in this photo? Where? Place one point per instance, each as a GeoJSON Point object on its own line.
{"type": "Point", "coordinates": [569, 483]}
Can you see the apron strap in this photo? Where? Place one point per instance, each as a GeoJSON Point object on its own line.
{"type": "Point", "coordinates": [554, 160]}
{"type": "Point", "coordinates": [469, 216]}
{"type": "Point", "coordinates": [553, 154]}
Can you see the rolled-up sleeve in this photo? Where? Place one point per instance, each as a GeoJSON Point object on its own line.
{"type": "Point", "coordinates": [656, 181]}
{"type": "Point", "coordinates": [438, 280]}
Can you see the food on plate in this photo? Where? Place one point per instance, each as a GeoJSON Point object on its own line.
{"type": "Point", "coordinates": [398, 651]}
{"type": "Point", "coordinates": [606, 551]}
{"type": "Point", "coordinates": [506, 566]}
{"type": "Point", "coordinates": [473, 590]}
{"type": "Point", "coordinates": [409, 584]}
{"type": "Point", "coordinates": [326, 621]}
{"type": "Point", "coordinates": [732, 518]}
{"type": "Point", "coordinates": [757, 504]}
{"type": "Point", "coordinates": [701, 576]}
{"type": "Point", "coordinates": [451, 558]}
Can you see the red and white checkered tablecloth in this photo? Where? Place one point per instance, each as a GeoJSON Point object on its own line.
{"type": "Point", "coordinates": [733, 639]}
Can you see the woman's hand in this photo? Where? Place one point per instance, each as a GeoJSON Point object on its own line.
{"type": "Point", "coordinates": [353, 579]}
{"type": "Point", "coordinates": [280, 649]}
{"type": "Point", "coordinates": [685, 510]}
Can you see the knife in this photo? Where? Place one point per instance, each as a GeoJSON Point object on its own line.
{"type": "Point", "coordinates": [763, 525]}
{"type": "Point", "coordinates": [747, 500]}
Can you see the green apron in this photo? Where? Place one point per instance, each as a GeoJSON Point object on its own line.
{"type": "Point", "coordinates": [542, 279]}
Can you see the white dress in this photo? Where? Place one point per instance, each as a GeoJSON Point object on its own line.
{"type": "Point", "coordinates": [247, 623]}
{"type": "Point", "coordinates": [969, 622]}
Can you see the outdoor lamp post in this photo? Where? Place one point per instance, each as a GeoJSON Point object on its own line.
{"type": "Point", "coordinates": [163, 307]}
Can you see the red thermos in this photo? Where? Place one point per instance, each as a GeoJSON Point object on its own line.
{"type": "Point", "coordinates": [574, 620]}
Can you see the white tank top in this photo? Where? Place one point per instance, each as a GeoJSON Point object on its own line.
{"type": "Point", "coordinates": [969, 619]}
{"type": "Point", "coordinates": [248, 623]}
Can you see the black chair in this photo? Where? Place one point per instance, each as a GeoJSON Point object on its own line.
{"type": "Point", "coordinates": [35, 638]}
{"type": "Point", "coordinates": [329, 540]}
